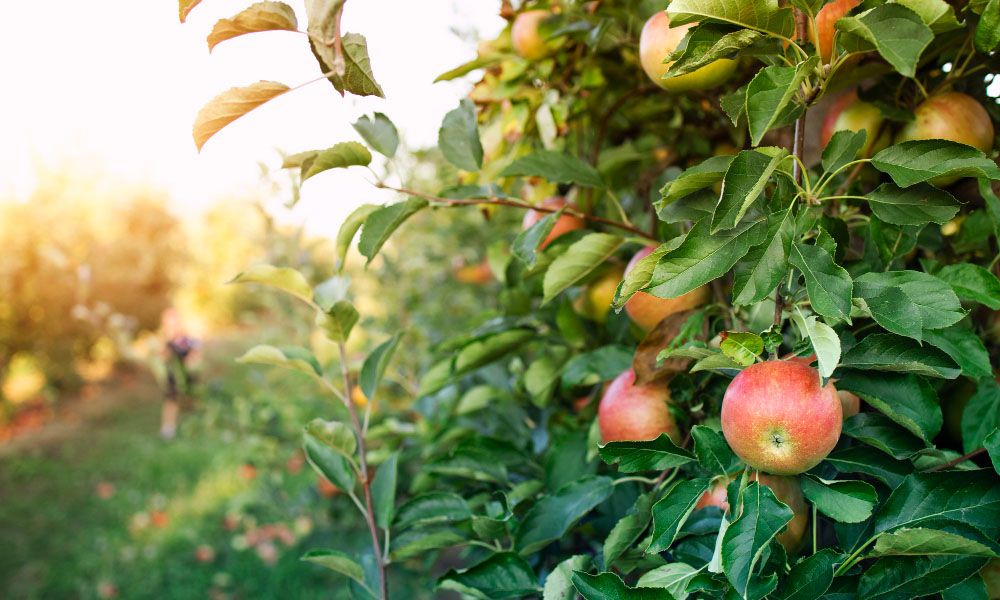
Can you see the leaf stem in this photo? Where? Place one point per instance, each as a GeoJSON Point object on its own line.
{"type": "Point", "coordinates": [956, 461]}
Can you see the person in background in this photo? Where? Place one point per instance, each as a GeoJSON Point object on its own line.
{"type": "Point", "coordinates": [178, 351]}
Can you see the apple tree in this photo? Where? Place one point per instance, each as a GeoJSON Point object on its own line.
{"type": "Point", "coordinates": [743, 344]}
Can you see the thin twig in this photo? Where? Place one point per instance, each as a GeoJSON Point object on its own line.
{"type": "Point", "coordinates": [959, 460]}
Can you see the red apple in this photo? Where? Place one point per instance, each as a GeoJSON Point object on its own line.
{"type": "Point", "coordinates": [524, 35]}
{"type": "Point", "coordinates": [951, 116]}
{"type": "Point", "coordinates": [564, 224]}
{"type": "Point", "coordinates": [599, 293]}
{"type": "Point", "coordinates": [647, 310]}
{"type": "Point", "coordinates": [326, 489]}
{"type": "Point", "coordinates": [658, 40]}
{"type": "Point", "coordinates": [825, 30]}
{"type": "Point", "coordinates": [630, 412]}
{"type": "Point", "coordinates": [204, 554]}
{"type": "Point", "coordinates": [786, 489]}
{"type": "Point", "coordinates": [850, 402]}
{"type": "Point", "coordinates": [778, 419]}
{"type": "Point", "coordinates": [848, 113]}
{"type": "Point", "coordinates": [477, 274]}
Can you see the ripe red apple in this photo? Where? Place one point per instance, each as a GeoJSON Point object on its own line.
{"type": "Point", "coordinates": [848, 113]}
{"type": "Point", "coordinates": [564, 224]}
{"type": "Point", "coordinates": [599, 293]}
{"type": "Point", "coordinates": [477, 274]}
{"type": "Point", "coordinates": [951, 116]}
{"type": "Point", "coordinates": [204, 554]}
{"type": "Point", "coordinates": [658, 40]}
{"type": "Point", "coordinates": [524, 35]}
{"type": "Point", "coordinates": [326, 489]}
{"type": "Point", "coordinates": [851, 403]}
{"type": "Point", "coordinates": [647, 310]}
{"type": "Point", "coordinates": [630, 412]}
{"type": "Point", "coordinates": [786, 489]}
{"type": "Point", "coordinates": [826, 18]}
{"type": "Point", "coordinates": [248, 471]}
{"type": "Point", "coordinates": [778, 419]}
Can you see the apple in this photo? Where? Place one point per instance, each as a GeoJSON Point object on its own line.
{"type": "Point", "coordinates": [204, 554]}
{"type": "Point", "coordinates": [524, 35]}
{"type": "Point", "coordinates": [630, 412]}
{"type": "Point", "coordinates": [850, 402]}
{"type": "Point", "coordinates": [647, 310]}
{"type": "Point", "coordinates": [599, 293]}
{"type": "Point", "coordinates": [658, 40]}
{"type": "Point", "coordinates": [848, 113]}
{"type": "Point", "coordinates": [778, 419]}
{"type": "Point", "coordinates": [950, 116]}
{"type": "Point", "coordinates": [248, 471]}
{"type": "Point", "coordinates": [564, 224]}
{"type": "Point", "coordinates": [824, 31]}
{"type": "Point", "coordinates": [991, 577]}
{"type": "Point", "coordinates": [326, 489]}
{"type": "Point", "coordinates": [786, 489]}
{"type": "Point", "coordinates": [478, 274]}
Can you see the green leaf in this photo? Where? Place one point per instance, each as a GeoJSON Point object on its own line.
{"type": "Point", "coordinates": [896, 32]}
{"type": "Point", "coordinates": [906, 399]}
{"type": "Point", "coordinates": [285, 279]}
{"type": "Point", "coordinates": [770, 97]}
{"type": "Point", "coordinates": [354, 74]}
{"type": "Point", "coordinates": [458, 137]}
{"type": "Point", "coordinates": [334, 435]}
{"type": "Point", "coordinates": [673, 577]}
{"type": "Point", "coordinates": [434, 508]}
{"type": "Point", "coordinates": [338, 321]}
{"type": "Point", "coordinates": [416, 542]}
{"type": "Point", "coordinates": [476, 353]}
{"type": "Point", "coordinates": [924, 300]}
{"type": "Point", "coordinates": [554, 166]}
{"type": "Point", "coordinates": [916, 205]}
{"type": "Point", "coordinates": [603, 364]}
{"type": "Point", "coordinates": [653, 455]}
{"type": "Point", "coordinates": [296, 359]}
{"type": "Point", "coordinates": [765, 16]}
{"type": "Point", "coordinates": [743, 347]}
{"type": "Point", "coordinates": [338, 562]}
{"type": "Point", "coordinates": [843, 501]}
{"type": "Point", "coordinates": [936, 14]}
{"type": "Point", "coordinates": [338, 156]}
{"type": "Point", "coordinates": [887, 352]}
{"type": "Point", "coordinates": [628, 529]}
{"type": "Point", "coordinates": [829, 285]}
{"type": "Point", "coordinates": [528, 240]}
{"type": "Point", "coordinates": [608, 586]}
{"type": "Point", "coordinates": [743, 184]}
{"type": "Point", "coordinates": [913, 162]}
{"type": "Point", "coordinates": [559, 583]}
{"type": "Point", "coordinates": [811, 577]}
{"type": "Point", "coordinates": [503, 575]}
{"type": "Point", "coordinates": [973, 283]}
{"type": "Point", "coordinates": [992, 445]}
{"type": "Point", "coordinates": [384, 491]}
{"type": "Point", "coordinates": [582, 257]}
{"type": "Point", "coordinates": [375, 364]}
{"type": "Point", "coordinates": [350, 226]}
{"type": "Point", "coordinates": [714, 454]}
{"type": "Point", "coordinates": [964, 347]}
{"type": "Point", "coordinates": [328, 462]}
{"type": "Point", "coordinates": [703, 257]}
{"type": "Point", "coordinates": [639, 275]}
{"type": "Point", "coordinates": [465, 69]}
{"type": "Point", "coordinates": [981, 415]}
{"type": "Point", "coordinates": [762, 269]}
{"type": "Point", "coordinates": [842, 148]}
{"type": "Point", "coordinates": [552, 516]}
{"type": "Point", "coordinates": [260, 16]}
{"type": "Point", "coordinates": [707, 43]}
{"type": "Point", "coordinates": [672, 510]}
{"type": "Point", "coordinates": [987, 36]}
{"type": "Point", "coordinates": [907, 577]}
{"type": "Point", "coordinates": [824, 340]}
{"type": "Point", "coordinates": [862, 459]}
{"type": "Point", "coordinates": [383, 222]}
{"type": "Point", "coordinates": [762, 518]}
{"type": "Point", "coordinates": [971, 498]}
{"type": "Point", "coordinates": [379, 132]}
{"type": "Point", "coordinates": [920, 541]}
{"type": "Point", "coordinates": [880, 432]}
{"type": "Point", "coordinates": [704, 174]}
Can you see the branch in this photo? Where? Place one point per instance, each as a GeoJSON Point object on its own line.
{"type": "Point", "coordinates": [518, 204]}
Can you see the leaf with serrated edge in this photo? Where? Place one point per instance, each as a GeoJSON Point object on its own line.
{"type": "Point", "coordinates": [285, 279]}
{"type": "Point", "coordinates": [231, 105]}
{"type": "Point", "coordinates": [582, 257]}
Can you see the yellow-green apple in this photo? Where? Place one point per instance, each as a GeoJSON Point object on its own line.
{"type": "Point", "coordinates": [647, 310]}
{"type": "Point", "coordinates": [950, 116]}
{"type": "Point", "coordinates": [630, 412]}
{"type": "Point", "coordinates": [779, 419]}
{"type": "Point", "coordinates": [658, 40]}
{"type": "Point", "coordinates": [848, 113]}
{"type": "Point", "coordinates": [564, 224]}
{"type": "Point", "coordinates": [826, 18]}
{"type": "Point", "coordinates": [786, 489]}
{"type": "Point", "coordinates": [596, 298]}
{"type": "Point", "coordinates": [525, 37]}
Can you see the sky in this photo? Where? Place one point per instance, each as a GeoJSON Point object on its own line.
{"type": "Point", "coordinates": [114, 86]}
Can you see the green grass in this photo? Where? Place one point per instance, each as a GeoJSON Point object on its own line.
{"type": "Point", "coordinates": [61, 540]}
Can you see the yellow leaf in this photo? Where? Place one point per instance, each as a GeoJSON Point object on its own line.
{"type": "Point", "coordinates": [262, 16]}
{"type": "Point", "coordinates": [231, 105]}
{"type": "Point", "coordinates": [185, 7]}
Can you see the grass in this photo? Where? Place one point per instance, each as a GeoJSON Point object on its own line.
{"type": "Point", "coordinates": [62, 539]}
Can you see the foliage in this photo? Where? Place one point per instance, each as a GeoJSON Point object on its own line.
{"type": "Point", "coordinates": [881, 265]}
